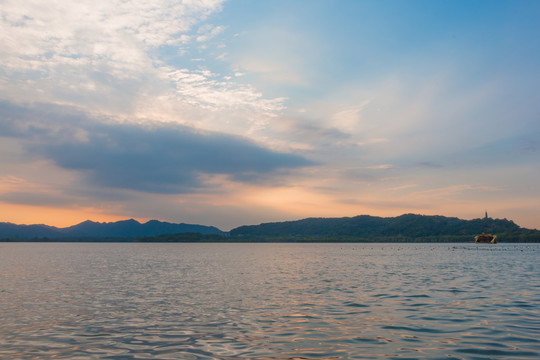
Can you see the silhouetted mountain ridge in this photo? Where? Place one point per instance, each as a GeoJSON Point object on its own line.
{"type": "Point", "coordinates": [9, 230]}
{"type": "Point", "coordinates": [89, 229]}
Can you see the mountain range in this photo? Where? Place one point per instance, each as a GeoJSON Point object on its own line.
{"type": "Point", "coordinates": [407, 227]}
{"type": "Point", "coordinates": [90, 229]}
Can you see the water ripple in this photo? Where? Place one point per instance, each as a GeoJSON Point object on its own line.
{"type": "Point", "coordinates": [269, 301]}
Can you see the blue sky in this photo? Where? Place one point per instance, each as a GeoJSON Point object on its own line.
{"type": "Point", "coordinates": [238, 112]}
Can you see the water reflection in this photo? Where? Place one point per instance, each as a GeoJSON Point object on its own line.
{"type": "Point", "coordinates": [261, 301]}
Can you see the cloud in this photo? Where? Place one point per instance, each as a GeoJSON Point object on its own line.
{"type": "Point", "coordinates": [37, 198]}
{"type": "Point", "coordinates": [128, 58]}
{"type": "Point", "coordinates": [207, 32]}
{"type": "Point", "coordinates": [349, 120]}
{"type": "Point", "coordinates": [95, 29]}
{"type": "Point", "coordinates": [151, 157]}
{"type": "Point", "coordinates": [204, 89]}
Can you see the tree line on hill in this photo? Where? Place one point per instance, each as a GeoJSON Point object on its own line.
{"type": "Point", "coordinates": [404, 228]}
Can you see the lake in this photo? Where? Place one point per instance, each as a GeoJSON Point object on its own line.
{"type": "Point", "coordinates": [269, 301]}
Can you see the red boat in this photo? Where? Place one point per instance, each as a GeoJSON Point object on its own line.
{"type": "Point", "coordinates": [485, 239]}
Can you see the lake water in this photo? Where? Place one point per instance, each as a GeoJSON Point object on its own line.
{"type": "Point", "coordinates": [269, 301]}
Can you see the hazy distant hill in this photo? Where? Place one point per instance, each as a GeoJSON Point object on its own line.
{"type": "Point", "coordinates": [408, 227]}
{"type": "Point", "coordinates": [89, 229]}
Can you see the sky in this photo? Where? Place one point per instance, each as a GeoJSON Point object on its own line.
{"type": "Point", "coordinates": [238, 112]}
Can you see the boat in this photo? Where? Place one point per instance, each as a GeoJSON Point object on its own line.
{"type": "Point", "coordinates": [485, 239]}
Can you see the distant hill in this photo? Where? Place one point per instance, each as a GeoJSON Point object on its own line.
{"type": "Point", "coordinates": [96, 230]}
{"type": "Point", "coordinates": [9, 230]}
{"type": "Point", "coordinates": [363, 228]}
{"type": "Point", "coordinates": [408, 227]}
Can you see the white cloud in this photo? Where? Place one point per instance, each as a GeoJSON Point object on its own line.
{"type": "Point", "coordinates": [88, 46]}
{"type": "Point", "coordinates": [103, 56]}
{"type": "Point", "coordinates": [207, 32]}
{"type": "Point", "coordinates": [349, 119]}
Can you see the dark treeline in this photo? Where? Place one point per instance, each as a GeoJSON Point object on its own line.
{"type": "Point", "coordinates": [404, 228]}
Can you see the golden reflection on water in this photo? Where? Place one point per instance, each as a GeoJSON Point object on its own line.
{"type": "Point", "coordinates": [262, 301]}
